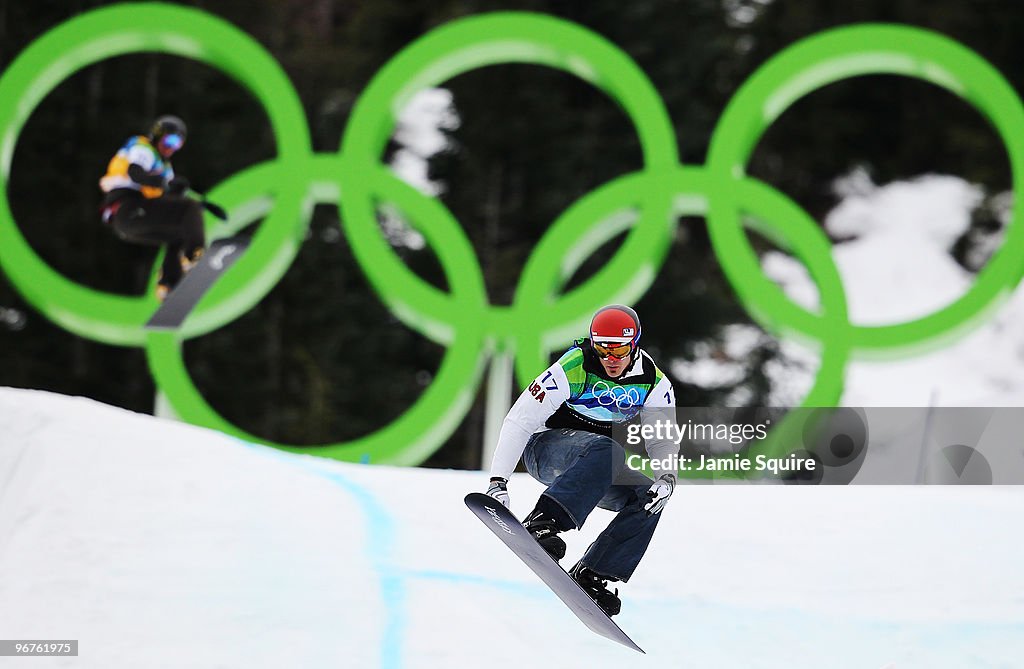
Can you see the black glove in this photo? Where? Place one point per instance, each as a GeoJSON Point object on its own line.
{"type": "Point", "coordinates": [177, 186]}
{"type": "Point", "coordinates": [140, 176]}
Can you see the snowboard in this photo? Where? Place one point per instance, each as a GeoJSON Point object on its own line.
{"type": "Point", "coordinates": [504, 525]}
{"type": "Point", "coordinates": [179, 303]}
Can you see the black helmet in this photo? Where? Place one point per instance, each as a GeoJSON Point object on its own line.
{"type": "Point", "coordinates": [168, 125]}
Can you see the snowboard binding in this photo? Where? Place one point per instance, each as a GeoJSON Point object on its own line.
{"type": "Point", "coordinates": [596, 586]}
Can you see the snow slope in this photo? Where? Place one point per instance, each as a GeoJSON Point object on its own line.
{"type": "Point", "coordinates": [159, 544]}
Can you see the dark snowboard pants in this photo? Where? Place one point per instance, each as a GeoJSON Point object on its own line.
{"type": "Point", "coordinates": [173, 221]}
{"type": "Point", "coordinates": [585, 470]}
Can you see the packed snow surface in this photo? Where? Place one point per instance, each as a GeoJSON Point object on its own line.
{"type": "Point", "coordinates": [158, 544]}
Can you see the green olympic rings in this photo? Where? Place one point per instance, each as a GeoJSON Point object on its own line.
{"type": "Point", "coordinates": [543, 317]}
{"type": "Point", "coordinates": [826, 58]}
{"type": "Point", "coordinates": [104, 33]}
{"type": "Point", "coordinates": [523, 38]}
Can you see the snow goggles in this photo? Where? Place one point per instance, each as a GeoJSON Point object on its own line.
{"type": "Point", "coordinates": [617, 351]}
{"type": "Point", "coordinates": [173, 141]}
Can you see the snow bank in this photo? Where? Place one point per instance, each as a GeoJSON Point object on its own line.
{"type": "Point", "coordinates": [158, 544]}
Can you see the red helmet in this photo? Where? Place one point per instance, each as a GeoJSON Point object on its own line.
{"type": "Point", "coordinates": [614, 327]}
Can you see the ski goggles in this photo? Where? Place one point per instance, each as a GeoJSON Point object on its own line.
{"type": "Point", "coordinates": [173, 141]}
{"type": "Point", "coordinates": [610, 350]}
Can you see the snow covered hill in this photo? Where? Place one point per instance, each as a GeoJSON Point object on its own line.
{"type": "Point", "coordinates": [158, 544]}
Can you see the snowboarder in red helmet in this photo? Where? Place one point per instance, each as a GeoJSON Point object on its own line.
{"type": "Point", "coordinates": [561, 428]}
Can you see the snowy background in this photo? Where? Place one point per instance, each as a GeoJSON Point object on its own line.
{"type": "Point", "coordinates": [158, 544]}
{"type": "Point", "coordinates": [893, 247]}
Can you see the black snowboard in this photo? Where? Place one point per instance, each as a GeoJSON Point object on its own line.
{"type": "Point", "coordinates": [179, 303]}
{"type": "Point", "coordinates": [500, 520]}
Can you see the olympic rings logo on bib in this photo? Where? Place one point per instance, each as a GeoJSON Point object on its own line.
{"type": "Point", "coordinates": [623, 398]}
{"type": "Point", "coordinates": [543, 316]}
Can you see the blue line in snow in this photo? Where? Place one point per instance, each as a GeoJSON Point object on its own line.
{"type": "Point", "coordinates": [381, 530]}
{"type": "Point", "coordinates": [517, 587]}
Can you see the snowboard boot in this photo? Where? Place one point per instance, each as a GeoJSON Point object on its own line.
{"type": "Point", "coordinates": [595, 585]}
{"type": "Point", "coordinates": [545, 522]}
{"type": "Point", "coordinates": [163, 288]}
{"type": "Point", "coordinates": [545, 530]}
{"type": "Point", "coordinates": [188, 262]}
